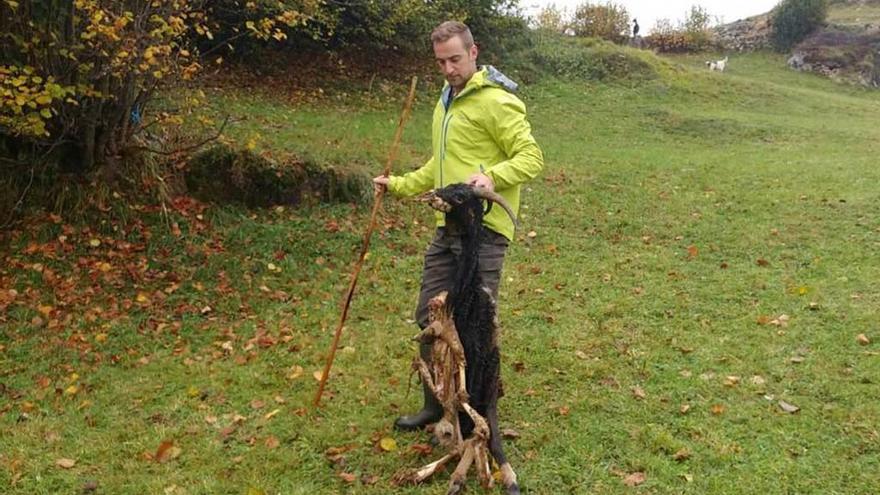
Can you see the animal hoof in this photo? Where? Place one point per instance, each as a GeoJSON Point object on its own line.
{"type": "Point", "coordinates": [455, 487]}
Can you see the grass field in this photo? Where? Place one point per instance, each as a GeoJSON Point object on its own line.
{"type": "Point", "coordinates": [700, 251]}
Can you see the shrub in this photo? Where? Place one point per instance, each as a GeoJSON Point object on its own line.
{"type": "Point", "coordinates": [590, 59]}
{"type": "Point", "coordinates": [609, 21]}
{"type": "Point", "coordinates": [692, 35]}
{"type": "Point", "coordinates": [665, 38]}
{"type": "Point", "coordinates": [794, 20]}
{"type": "Point", "coordinates": [696, 28]}
{"type": "Point", "coordinates": [551, 18]}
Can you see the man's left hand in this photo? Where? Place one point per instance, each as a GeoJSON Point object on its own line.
{"type": "Point", "coordinates": [482, 180]}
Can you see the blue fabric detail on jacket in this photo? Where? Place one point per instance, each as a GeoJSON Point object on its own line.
{"type": "Point", "coordinates": [500, 79]}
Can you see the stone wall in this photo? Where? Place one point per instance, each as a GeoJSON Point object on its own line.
{"type": "Point", "coordinates": [749, 34]}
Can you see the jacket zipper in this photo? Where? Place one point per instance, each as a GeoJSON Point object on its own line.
{"type": "Point", "coordinates": [446, 119]}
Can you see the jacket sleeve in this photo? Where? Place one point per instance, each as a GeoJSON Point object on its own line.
{"type": "Point", "coordinates": [508, 125]}
{"type": "Point", "coordinates": [415, 182]}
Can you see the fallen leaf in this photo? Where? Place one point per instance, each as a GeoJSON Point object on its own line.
{"type": "Point", "coordinates": [863, 339]}
{"type": "Point", "coordinates": [532, 234]}
{"type": "Point", "coordinates": [781, 321]}
{"type": "Point", "coordinates": [762, 262]}
{"type": "Point", "coordinates": [682, 455]}
{"type": "Point", "coordinates": [639, 393]}
{"type": "Point", "coordinates": [731, 380]}
{"type": "Point", "coordinates": [688, 477]}
{"type": "Point", "coordinates": [789, 408]}
{"type": "Point", "coordinates": [581, 355]}
{"type": "Point", "coordinates": [348, 477]}
{"type": "Point", "coordinates": [510, 434]}
{"type": "Point", "coordinates": [295, 372]}
{"type": "Point", "coordinates": [257, 404]}
{"type": "Point", "coordinates": [693, 251]}
{"type": "Point", "coordinates": [758, 380]}
{"type": "Point", "coordinates": [717, 409]}
{"type": "Point", "coordinates": [684, 408]}
{"type": "Point", "coordinates": [369, 479]}
{"type": "Point", "coordinates": [564, 410]}
{"type": "Point", "coordinates": [272, 442]}
{"type": "Point", "coordinates": [166, 451]}
{"type": "Point", "coordinates": [388, 444]}
{"type": "Point", "coordinates": [271, 414]}
{"type": "Point", "coordinates": [422, 448]}
{"type": "Point", "coordinates": [318, 375]}
{"type": "Point", "coordinates": [635, 479]}
{"type": "Point", "coordinates": [65, 463]}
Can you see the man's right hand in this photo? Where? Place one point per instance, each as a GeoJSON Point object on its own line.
{"type": "Point", "coordinates": [380, 183]}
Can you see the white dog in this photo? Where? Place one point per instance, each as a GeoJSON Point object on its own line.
{"type": "Point", "coordinates": [718, 65]}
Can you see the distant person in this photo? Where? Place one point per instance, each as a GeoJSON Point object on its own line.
{"type": "Point", "coordinates": [635, 28]}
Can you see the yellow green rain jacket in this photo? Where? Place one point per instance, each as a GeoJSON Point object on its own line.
{"type": "Point", "coordinates": [482, 129]}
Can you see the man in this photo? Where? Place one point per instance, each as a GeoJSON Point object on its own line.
{"type": "Point", "coordinates": [635, 28]}
{"type": "Point", "coordinates": [480, 137]}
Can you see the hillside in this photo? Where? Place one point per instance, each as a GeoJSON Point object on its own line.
{"type": "Point", "coordinates": [846, 49]}
{"type": "Point", "coordinates": [855, 14]}
{"type": "Point", "coordinates": [690, 305]}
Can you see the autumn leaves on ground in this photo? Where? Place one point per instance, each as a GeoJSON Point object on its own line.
{"type": "Point", "coordinates": [691, 306]}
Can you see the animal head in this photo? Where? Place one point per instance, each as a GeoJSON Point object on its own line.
{"type": "Point", "coordinates": [455, 196]}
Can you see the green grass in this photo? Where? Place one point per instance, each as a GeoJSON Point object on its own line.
{"type": "Point", "coordinates": [674, 221]}
{"type": "Point", "coordinates": [854, 15]}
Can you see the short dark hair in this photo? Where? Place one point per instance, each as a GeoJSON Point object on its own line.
{"type": "Point", "coordinates": [448, 29]}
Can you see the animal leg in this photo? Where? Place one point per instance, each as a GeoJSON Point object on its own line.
{"type": "Point", "coordinates": [484, 469]}
{"type": "Point", "coordinates": [508, 476]}
{"type": "Point", "coordinates": [459, 476]}
{"type": "Point", "coordinates": [419, 475]}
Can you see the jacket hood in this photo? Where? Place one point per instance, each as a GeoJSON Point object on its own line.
{"type": "Point", "coordinates": [486, 76]}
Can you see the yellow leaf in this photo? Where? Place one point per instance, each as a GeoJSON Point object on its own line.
{"type": "Point", "coordinates": [295, 372]}
{"type": "Point", "coordinates": [65, 463]}
{"type": "Point", "coordinates": [94, 242]}
{"type": "Point", "coordinates": [388, 444]}
{"type": "Point", "coordinates": [71, 390]}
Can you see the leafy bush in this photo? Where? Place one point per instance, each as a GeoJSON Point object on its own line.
{"type": "Point", "coordinates": [692, 35]}
{"type": "Point", "coordinates": [80, 74]}
{"type": "Point", "coordinates": [590, 59]}
{"type": "Point", "coordinates": [696, 28]}
{"type": "Point", "coordinates": [551, 18]}
{"type": "Point", "coordinates": [794, 20]}
{"type": "Point", "coordinates": [607, 21]}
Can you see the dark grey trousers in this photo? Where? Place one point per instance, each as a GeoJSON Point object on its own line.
{"type": "Point", "coordinates": [439, 269]}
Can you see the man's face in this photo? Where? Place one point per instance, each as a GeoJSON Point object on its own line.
{"type": "Point", "coordinates": [455, 62]}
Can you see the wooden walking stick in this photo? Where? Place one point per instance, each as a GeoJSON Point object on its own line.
{"type": "Point", "coordinates": [377, 202]}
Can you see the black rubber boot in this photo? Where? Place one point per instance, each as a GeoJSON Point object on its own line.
{"type": "Point", "coordinates": [431, 412]}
